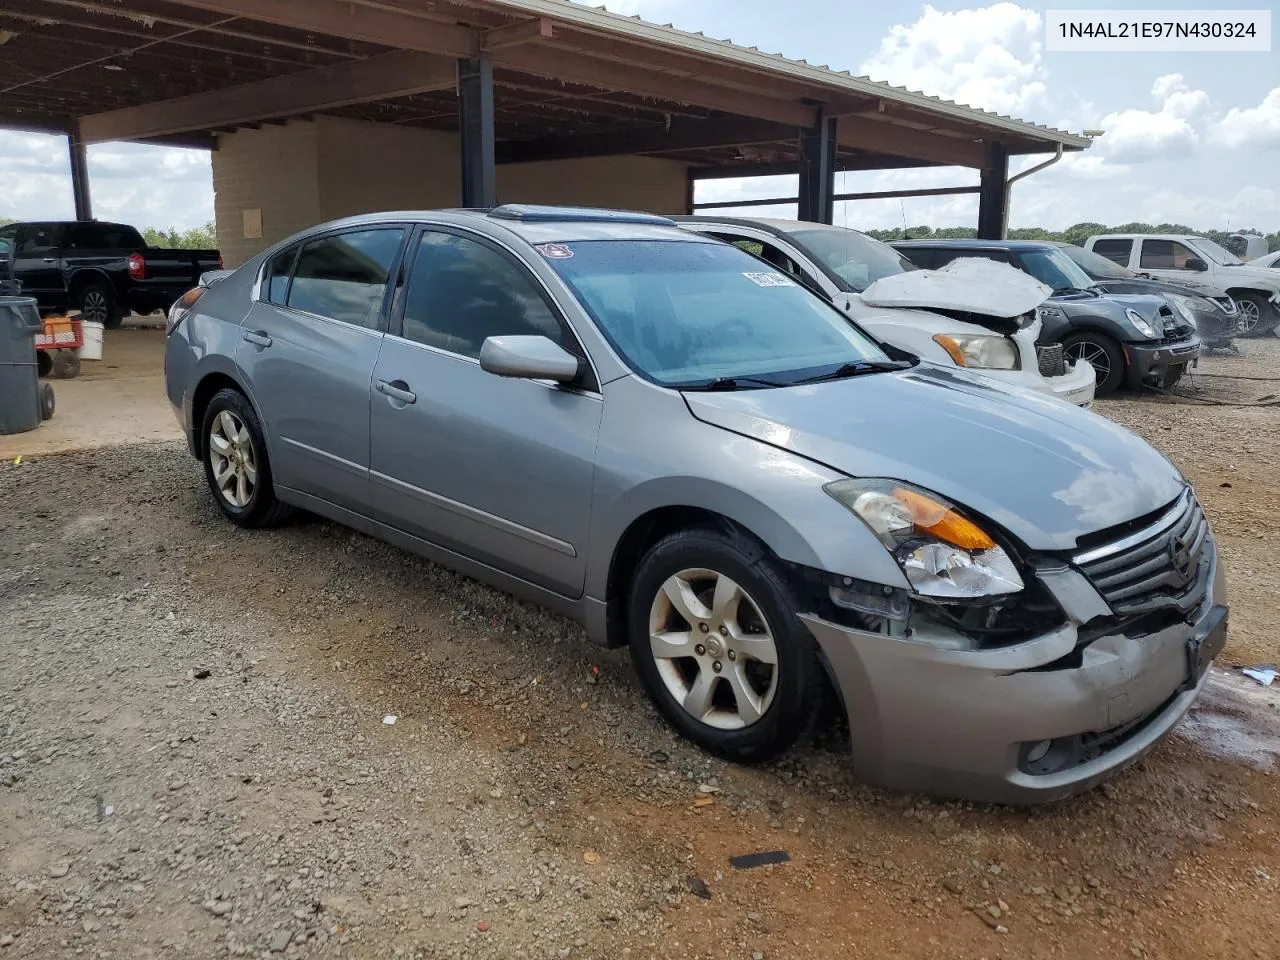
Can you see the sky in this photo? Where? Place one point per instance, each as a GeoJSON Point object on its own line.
{"type": "Point", "coordinates": [1189, 138]}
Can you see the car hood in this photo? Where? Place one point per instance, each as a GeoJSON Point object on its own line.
{"type": "Point", "coordinates": [1264, 277]}
{"type": "Point", "coordinates": [1044, 470]}
{"type": "Point", "coordinates": [970, 284]}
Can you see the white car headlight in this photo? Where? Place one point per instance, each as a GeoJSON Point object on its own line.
{"type": "Point", "coordinates": [980, 352]}
{"type": "Point", "coordinates": [1138, 321]}
{"type": "Point", "coordinates": [942, 552]}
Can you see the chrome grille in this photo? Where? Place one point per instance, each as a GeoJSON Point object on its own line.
{"type": "Point", "coordinates": [1051, 360]}
{"type": "Point", "coordinates": [1158, 566]}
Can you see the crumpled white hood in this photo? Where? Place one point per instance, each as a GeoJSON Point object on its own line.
{"type": "Point", "coordinates": [973, 284]}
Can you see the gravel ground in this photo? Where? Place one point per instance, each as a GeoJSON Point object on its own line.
{"type": "Point", "coordinates": [194, 760]}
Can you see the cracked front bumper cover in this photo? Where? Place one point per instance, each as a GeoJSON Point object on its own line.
{"type": "Point", "coordinates": [1148, 363]}
{"type": "Point", "coordinates": [959, 723]}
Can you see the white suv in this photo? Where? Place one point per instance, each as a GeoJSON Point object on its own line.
{"type": "Point", "coordinates": [1198, 262]}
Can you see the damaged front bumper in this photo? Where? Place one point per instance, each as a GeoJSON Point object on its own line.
{"type": "Point", "coordinates": [1028, 723]}
{"type": "Point", "coordinates": [1151, 364]}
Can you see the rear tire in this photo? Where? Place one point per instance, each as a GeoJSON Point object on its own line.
{"type": "Point", "coordinates": [1105, 356]}
{"type": "Point", "coordinates": [97, 302]}
{"type": "Point", "coordinates": [709, 672]}
{"type": "Point", "coordinates": [236, 467]}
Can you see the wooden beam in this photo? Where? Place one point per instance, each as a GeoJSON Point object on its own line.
{"type": "Point", "coordinates": [679, 135]}
{"type": "Point", "coordinates": [518, 33]}
{"type": "Point", "coordinates": [635, 79]}
{"type": "Point", "coordinates": [368, 24]}
{"type": "Point", "coordinates": [398, 74]}
{"type": "Point", "coordinates": [880, 136]}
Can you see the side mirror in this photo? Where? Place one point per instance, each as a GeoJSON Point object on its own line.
{"type": "Point", "coordinates": [528, 357]}
{"type": "Point", "coordinates": [1195, 263]}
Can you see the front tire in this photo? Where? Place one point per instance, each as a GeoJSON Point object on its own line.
{"type": "Point", "coordinates": [235, 462]}
{"type": "Point", "coordinates": [1103, 354]}
{"type": "Point", "coordinates": [1258, 316]}
{"type": "Point", "coordinates": [714, 635]}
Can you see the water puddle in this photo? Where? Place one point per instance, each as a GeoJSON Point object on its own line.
{"type": "Point", "coordinates": [1235, 719]}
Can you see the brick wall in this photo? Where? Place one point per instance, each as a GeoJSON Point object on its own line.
{"type": "Point", "coordinates": [272, 169]}
{"type": "Point", "coordinates": [305, 173]}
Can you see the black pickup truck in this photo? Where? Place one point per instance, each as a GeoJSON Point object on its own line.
{"type": "Point", "coordinates": [104, 270]}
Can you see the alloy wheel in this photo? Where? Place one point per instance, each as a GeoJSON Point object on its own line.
{"type": "Point", "coordinates": [235, 470]}
{"type": "Point", "coordinates": [1092, 352]}
{"type": "Point", "coordinates": [94, 307]}
{"type": "Point", "coordinates": [1249, 315]}
{"type": "Point", "coordinates": [713, 648]}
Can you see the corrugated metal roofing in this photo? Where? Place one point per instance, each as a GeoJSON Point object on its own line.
{"type": "Point", "coordinates": [666, 35]}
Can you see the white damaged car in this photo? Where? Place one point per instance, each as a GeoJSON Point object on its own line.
{"type": "Point", "coordinates": [973, 313]}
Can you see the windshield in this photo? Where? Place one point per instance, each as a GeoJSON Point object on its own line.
{"type": "Point", "coordinates": [1096, 265]}
{"type": "Point", "coordinates": [1055, 269]}
{"type": "Point", "coordinates": [856, 259]}
{"type": "Point", "coordinates": [685, 313]}
{"type": "Point", "coordinates": [1220, 256]}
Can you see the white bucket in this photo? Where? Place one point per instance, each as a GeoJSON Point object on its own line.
{"type": "Point", "coordinates": [92, 349]}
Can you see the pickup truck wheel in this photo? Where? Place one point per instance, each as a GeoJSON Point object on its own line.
{"type": "Point", "coordinates": [97, 303]}
{"type": "Point", "coordinates": [1103, 354]}
{"type": "Point", "coordinates": [715, 638]}
{"type": "Point", "coordinates": [1258, 316]}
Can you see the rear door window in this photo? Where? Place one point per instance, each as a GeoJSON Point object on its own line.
{"type": "Point", "coordinates": [103, 236]}
{"type": "Point", "coordinates": [344, 276]}
{"type": "Point", "coordinates": [1115, 250]}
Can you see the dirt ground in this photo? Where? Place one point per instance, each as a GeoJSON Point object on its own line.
{"type": "Point", "coordinates": [195, 759]}
{"type": "Point", "coordinates": [118, 399]}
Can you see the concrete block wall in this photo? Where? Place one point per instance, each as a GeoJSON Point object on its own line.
{"type": "Point", "coordinates": [304, 173]}
{"type": "Point", "coordinates": [273, 169]}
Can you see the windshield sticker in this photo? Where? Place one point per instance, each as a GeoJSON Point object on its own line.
{"type": "Point", "coordinates": [554, 251]}
{"type": "Point", "coordinates": [769, 280]}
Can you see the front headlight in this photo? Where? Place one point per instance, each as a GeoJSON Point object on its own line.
{"type": "Point", "coordinates": [980, 352]}
{"type": "Point", "coordinates": [942, 553]}
{"type": "Point", "coordinates": [1143, 326]}
{"type": "Point", "coordinates": [1188, 305]}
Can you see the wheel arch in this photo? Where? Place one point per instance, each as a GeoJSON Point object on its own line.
{"type": "Point", "coordinates": [818, 533]}
{"type": "Point", "coordinates": [86, 277]}
{"type": "Point", "coordinates": [205, 390]}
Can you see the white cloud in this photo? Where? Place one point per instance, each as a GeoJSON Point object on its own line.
{"type": "Point", "coordinates": [1252, 126]}
{"type": "Point", "coordinates": [1172, 131]}
{"type": "Point", "coordinates": [143, 185]}
{"type": "Point", "coordinates": [988, 57]}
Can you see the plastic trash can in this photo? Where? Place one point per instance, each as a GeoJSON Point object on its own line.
{"type": "Point", "coordinates": [20, 401]}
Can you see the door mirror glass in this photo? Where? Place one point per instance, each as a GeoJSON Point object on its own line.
{"type": "Point", "coordinates": [529, 357]}
{"type": "Point", "coordinates": [1195, 263]}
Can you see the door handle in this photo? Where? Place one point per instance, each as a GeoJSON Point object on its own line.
{"type": "Point", "coordinates": [396, 390]}
{"type": "Point", "coordinates": [257, 337]}
{"type": "Point", "coordinates": [50, 260]}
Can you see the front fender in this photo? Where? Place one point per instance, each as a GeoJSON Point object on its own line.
{"type": "Point", "coordinates": [664, 457]}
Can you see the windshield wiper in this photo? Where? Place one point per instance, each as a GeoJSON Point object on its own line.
{"type": "Point", "coordinates": [856, 368]}
{"type": "Point", "coordinates": [732, 383]}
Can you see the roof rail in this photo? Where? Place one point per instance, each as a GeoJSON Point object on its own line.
{"type": "Point", "coordinates": [535, 213]}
